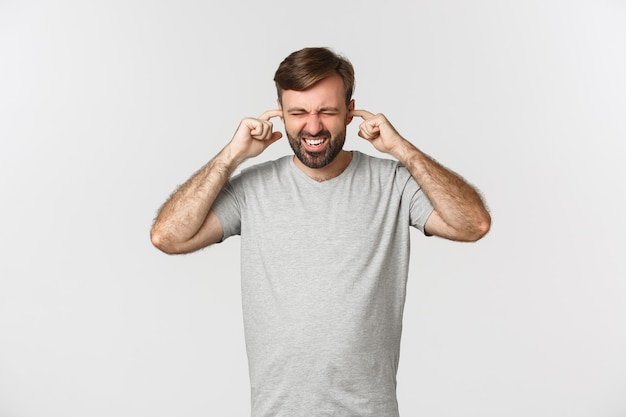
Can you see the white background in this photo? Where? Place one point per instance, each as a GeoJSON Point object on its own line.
{"type": "Point", "coordinates": [106, 106]}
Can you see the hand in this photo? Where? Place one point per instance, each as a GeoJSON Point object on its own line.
{"type": "Point", "coordinates": [253, 136]}
{"type": "Point", "coordinates": [378, 131]}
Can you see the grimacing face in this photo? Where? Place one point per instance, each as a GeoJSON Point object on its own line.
{"type": "Point", "coordinates": [316, 120]}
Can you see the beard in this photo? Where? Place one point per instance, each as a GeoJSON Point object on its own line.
{"type": "Point", "coordinates": [317, 159]}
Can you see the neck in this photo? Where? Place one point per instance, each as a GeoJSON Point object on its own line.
{"type": "Point", "coordinates": [328, 172]}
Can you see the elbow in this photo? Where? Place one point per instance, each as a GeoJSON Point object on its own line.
{"type": "Point", "coordinates": [162, 243]}
{"type": "Point", "coordinates": [174, 245]}
{"type": "Point", "coordinates": [481, 228]}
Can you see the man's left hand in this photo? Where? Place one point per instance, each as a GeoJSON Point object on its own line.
{"type": "Point", "coordinates": [378, 131]}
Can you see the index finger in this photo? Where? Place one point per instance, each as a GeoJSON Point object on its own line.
{"type": "Point", "coordinates": [270, 114]}
{"type": "Point", "coordinates": [363, 114]}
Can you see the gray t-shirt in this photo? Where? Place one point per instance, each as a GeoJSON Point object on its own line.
{"type": "Point", "coordinates": [324, 267]}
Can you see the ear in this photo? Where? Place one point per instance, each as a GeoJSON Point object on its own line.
{"type": "Point", "coordinates": [349, 117]}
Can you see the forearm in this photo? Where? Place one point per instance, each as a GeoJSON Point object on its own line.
{"type": "Point", "coordinates": [457, 203]}
{"type": "Point", "coordinates": [184, 213]}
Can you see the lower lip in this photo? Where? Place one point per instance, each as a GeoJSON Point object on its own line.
{"type": "Point", "coordinates": [314, 148]}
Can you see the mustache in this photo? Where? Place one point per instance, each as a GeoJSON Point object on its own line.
{"type": "Point", "coordinates": [321, 133]}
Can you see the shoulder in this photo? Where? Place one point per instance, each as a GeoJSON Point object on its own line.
{"type": "Point", "coordinates": [279, 164]}
{"type": "Point", "coordinates": [378, 165]}
{"type": "Point", "coordinates": [384, 171]}
{"type": "Point", "coordinates": [261, 177]}
{"type": "Point", "coordinates": [263, 171]}
{"type": "Point", "coordinates": [375, 162]}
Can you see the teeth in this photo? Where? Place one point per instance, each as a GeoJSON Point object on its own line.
{"type": "Point", "coordinates": [314, 142]}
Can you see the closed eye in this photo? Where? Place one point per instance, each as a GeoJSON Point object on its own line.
{"type": "Point", "coordinates": [331, 111]}
{"type": "Point", "coordinates": [297, 112]}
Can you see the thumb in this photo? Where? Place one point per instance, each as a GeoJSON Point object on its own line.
{"type": "Point", "coordinates": [275, 136]}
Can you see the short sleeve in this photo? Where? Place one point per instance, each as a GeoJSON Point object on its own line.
{"type": "Point", "coordinates": [420, 207]}
{"type": "Point", "coordinates": [227, 207]}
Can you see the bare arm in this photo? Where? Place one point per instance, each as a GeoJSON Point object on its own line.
{"type": "Point", "coordinates": [186, 223]}
{"type": "Point", "coordinates": [460, 213]}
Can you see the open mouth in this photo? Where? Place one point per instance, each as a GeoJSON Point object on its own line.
{"type": "Point", "coordinates": [314, 144]}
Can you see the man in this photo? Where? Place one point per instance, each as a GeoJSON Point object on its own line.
{"type": "Point", "coordinates": [324, 241]}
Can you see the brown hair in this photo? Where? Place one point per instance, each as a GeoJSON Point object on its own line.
{"type": "Point", "coordinates": [303, 68]}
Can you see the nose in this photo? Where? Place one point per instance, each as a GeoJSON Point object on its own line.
{"type": "Point", "coordinates": [314, 124]}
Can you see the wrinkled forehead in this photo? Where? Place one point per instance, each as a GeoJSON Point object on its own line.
{"type": "Point", "coordinates": [327, 93]}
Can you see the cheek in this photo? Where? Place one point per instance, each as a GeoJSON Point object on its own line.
{"type": "Point", "coordinates": [292, 130]}
{"type": "Point", "coordinates": [293, 125]}
{"type": "Point", "coordinates": [337, 126]}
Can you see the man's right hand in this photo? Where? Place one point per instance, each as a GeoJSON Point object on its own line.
{"type": "Point", "coordinates": [253, 136]}
{"type": "Point", "coordinates": [186, 221]}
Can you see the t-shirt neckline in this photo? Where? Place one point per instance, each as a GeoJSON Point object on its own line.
{"type": "Point", "coordinates": [351, 166]}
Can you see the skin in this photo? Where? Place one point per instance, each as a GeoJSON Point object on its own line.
{"type": "Point", "coordinates": [315, 123]}
{"type": "Point", "coordinates": [314, 114]}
